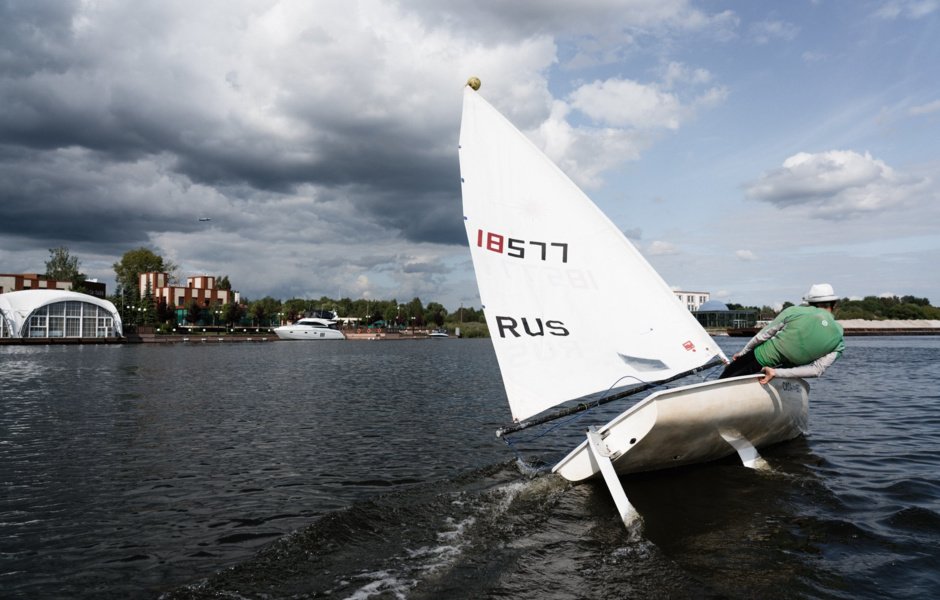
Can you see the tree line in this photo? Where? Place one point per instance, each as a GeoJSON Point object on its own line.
{"type": "Point", "coordinates": [139, 308]}
{"type": "Point", "coordinates": [869, 308]}
{"type": "Point", "coordinates": [268, 311]}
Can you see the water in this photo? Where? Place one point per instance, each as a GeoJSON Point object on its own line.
{"type": "Point", "coordinates": [370, 470]}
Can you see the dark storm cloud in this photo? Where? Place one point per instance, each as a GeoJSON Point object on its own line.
{"type": "Point", "coordinates": [311, 133]}
{"type": "Point", "coordinates": [33, 35]}
{"type": "Point", "coordinates": [62, 91]}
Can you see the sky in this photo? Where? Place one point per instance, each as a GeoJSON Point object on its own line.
{"type": "Point", "coordinates": [748, 148]}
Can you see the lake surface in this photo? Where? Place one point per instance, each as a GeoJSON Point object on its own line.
{"type": "Point", "coordinates": [371, 470]}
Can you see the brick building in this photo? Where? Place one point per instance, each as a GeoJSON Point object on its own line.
{"type": "Point", "coordinates": [35, 281]}
{"type": "Point", "coordinates": [200, 288]}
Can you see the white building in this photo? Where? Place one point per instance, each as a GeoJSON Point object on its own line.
{"type": "Point", "coordinates": [692, 300]}
{"type": "Point", "coordinates": [57, 314]}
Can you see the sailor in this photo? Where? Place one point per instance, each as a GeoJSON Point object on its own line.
{"type": "Point", "coordinates": [803, 341]}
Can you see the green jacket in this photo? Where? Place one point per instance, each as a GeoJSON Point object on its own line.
{"type": "Point", "coordinates": [798, 336]}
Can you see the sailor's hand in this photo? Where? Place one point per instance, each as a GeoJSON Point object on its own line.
{"type": "Point", "coordinates": [737, 355]}
{"type": "Point", "coordinates": [769, 374]}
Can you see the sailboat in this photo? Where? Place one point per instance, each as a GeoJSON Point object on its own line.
{"type": "Point", "coordinates": [578, 317]}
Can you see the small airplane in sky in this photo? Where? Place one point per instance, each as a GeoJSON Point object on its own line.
{"type": "Point", "coordinates": [205, 219]}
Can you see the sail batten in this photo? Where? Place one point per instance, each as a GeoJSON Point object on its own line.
{"type": "Point", "coordinates": [572, 307]}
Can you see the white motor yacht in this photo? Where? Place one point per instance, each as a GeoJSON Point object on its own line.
{"type": "Point", "coordinates": [310, 328]}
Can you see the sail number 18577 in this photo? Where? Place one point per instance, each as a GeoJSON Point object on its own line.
{"type": "Point", "coordinates": [517, 248]}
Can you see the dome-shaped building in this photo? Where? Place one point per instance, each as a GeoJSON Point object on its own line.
{"type": "Point", "coordinates": [57, 314]}
{"type": "Point", "coordinates": [715, 314]}
{"type": "Point", "coordinates": [713, 306]}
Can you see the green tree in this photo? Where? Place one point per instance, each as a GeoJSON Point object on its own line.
{"type": "Point", "coordinates": [344, 307]}
{"type": "Point", "coordinates": [193, 312]}
{"type": "Point", "coordinates": [166, 314]}
{"type": "Point", "coordinates": [62, 266]}
{"type": "Point", "coordinates": [148, 308]}
{"type": "Point", "coordinates": [415, 311]}
{"type": "Point", "coordinates": [263, 310]}
{"type": "Point", "coordinates": [134, 262]}
{"type": "Point", "coordinates": [468, 314]}
{"type": "Point", "coordinates": [294, 309]}
{"type": "Point", "coordinates": [222, 283]}
{"type": "Point", "coordinates": [232, 313]}
{"type": "Point", "coordinates": [436, 313]}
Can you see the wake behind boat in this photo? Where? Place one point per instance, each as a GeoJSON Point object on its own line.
{"type": "Point", "coordinates": [547, 263]}
{"type": "Point", "coordinates": [310, 328]}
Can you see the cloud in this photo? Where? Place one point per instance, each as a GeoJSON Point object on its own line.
{"type": "Point", "coordinates": [585, 153]}
{"type": "Point", "coordinates": [677, 73]}
{"type": "Point", "coordinates": [626, 103]}
{"type": "Point", "coordinates": [603, 27]}
{"type": "Point", "coordinates": [320, 136]}
{"type": "Point", "coordinates": [745, 255]}
{"type": "Point", "coordinates": [626, 117]}
{"type": "Point", "coordinates": [925, 109]}
{"type": "Point", "coordinates": [836, 184]}
{"type": "Point", "coordinates": [813, 56]}
{"type": "Point", "coordinates": [910, 9]}
{"type": "Point", "coordinates": [764, 32]}
{"type": "Point", "coordinates": [660, 248]}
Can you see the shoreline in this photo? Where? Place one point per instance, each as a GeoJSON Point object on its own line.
{"type": "Point", "coordinates": [211, 338]}
{"type": "Point", "coordinates": [851, 327]}
{"type": "Point", "coordinates": [862, 327]}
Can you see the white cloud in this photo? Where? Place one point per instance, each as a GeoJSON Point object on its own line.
{"type": "Point", "coordinates": [745, 255]}
{"type": "Point", "coordinates": [627, 115]}
{"type": "Point", "coordinates": [925, 109]}
{"type": "Point", "coordinates": [676, 73]}
{"type": "Point", "coordinates": [911, 9]}
{"type": "Point", "coordinates": [836, 183]}
{"type": "Point", "coordinates": [585, 153]}
{"type": "Point", "coordinates": [765, 32]}
{"type": "Point", "coordinates": [660, 248]}
{"type": "Point", "coordinates": [626, 103]}
{"type": "Point", "coordinates": [813, 56]}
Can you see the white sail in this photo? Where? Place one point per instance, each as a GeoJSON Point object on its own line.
{"type": "Point", "coordinates": [572, 307]}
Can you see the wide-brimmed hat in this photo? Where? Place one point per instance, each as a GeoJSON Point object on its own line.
{"type": "Point", "coordinates": [820, 292]}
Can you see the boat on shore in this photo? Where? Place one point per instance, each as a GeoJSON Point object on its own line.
{"type": "Point", "coordinates": [439, 333]}
{"type": "Point", "coordinates": [310, 328]}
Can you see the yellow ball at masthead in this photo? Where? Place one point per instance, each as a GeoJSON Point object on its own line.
{"type": "Point", "coordinates": [474, 82]}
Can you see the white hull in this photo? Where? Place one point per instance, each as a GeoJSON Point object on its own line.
{"type": "Point", "coordinates": [694, 424]}
{"type": "Point", "coordinates": [304, 332]}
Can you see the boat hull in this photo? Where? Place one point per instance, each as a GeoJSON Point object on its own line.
{"type": "Point", "coordinates": [291, 332]}
{"type": "Point", "coordinates": [691, 424]}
